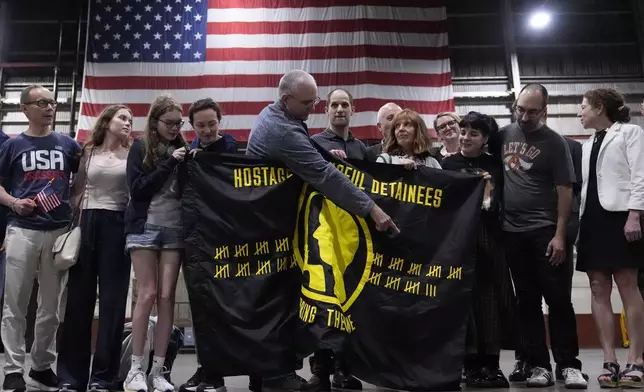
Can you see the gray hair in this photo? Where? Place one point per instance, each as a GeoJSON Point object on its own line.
{"type": "Point", "coordinates": [388, 105]}
{"type": "Point", "coordinates": [292, 79]}
{"type": "Point", "coordinates": [25, 95]}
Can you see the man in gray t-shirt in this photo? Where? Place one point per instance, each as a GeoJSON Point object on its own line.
{"type": "Point", "coordinates": [535, 163]}
{"type": "Point", "coordinates": [537, 197]}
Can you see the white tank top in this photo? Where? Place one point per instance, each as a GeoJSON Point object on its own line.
{"type": "Point", "coordinates": [106, 183]}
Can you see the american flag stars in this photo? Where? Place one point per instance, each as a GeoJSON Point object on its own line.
{"type": "Point", "coordinates": [160, 31]}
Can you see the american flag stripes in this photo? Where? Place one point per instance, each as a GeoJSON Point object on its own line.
{"type": "Point", "coordinates": [47, 198]}
{"type": "Point", "coordinates": [235, 51]}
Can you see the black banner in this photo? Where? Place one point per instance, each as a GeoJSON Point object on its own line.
{"type": "Point", "coordinates": [275, 270]}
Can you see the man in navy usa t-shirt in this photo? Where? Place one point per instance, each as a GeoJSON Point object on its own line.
{"type": "Point", "coordinates": [3, 226]}
{"type": "Point", "coordinates": [28, 162]}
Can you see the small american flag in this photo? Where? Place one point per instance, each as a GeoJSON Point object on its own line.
{"type": "Point", "coordinates": [47, 198]}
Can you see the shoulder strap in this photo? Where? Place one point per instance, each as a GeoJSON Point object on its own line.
{"type": "Point", "coordinates": [77, 212]}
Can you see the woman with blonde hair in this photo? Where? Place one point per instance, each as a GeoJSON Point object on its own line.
{"type": "Point", "coordinates": [409, 144]}
{"type": "Point", "coordinates": [610, 244]}
{"type": "Point", "coordinates": [447, 126]}
{"type": "Point", "coordinates": [101, 193]}
{"type": "Point", "coordinates": [154, 236]}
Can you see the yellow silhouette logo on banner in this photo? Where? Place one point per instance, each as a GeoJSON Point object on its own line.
{"type": "Point", "coordinates": [326, 245]}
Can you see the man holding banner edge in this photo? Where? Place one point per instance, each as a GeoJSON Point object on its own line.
{"type": "Point", "coordinates": [280, 133]}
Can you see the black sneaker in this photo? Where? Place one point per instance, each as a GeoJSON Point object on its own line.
{"type": "Point", "coordinates": [14, 382]}
{"type": "Point", "coordinates": [255, 383]}
{"type": "Point", "coordinates": [44, 380]}
{"type": "Point", "coordinates": [495, 377]}
{"type": "Point", "coordinates": [342, 379]}
{"type": "Point", "coordinates": [520, 372]}
{"type": "Point", "coordinates": [287, 382]}
{"type": "Point", "coordinates": [214, 384]}
{"type": "Point", "coordinates": [193, 382]}
{"type": "Point", "coordinates": [318, 383]}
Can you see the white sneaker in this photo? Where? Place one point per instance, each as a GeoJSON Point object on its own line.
{"type": "Point", "coordinates": [158, 383]}
{"type": "Point", "coordinates": [574, 379]}
{"type": "Point", "coordinates": [135, 381]}
{"type": "Point", "coordinates": [540, 378]}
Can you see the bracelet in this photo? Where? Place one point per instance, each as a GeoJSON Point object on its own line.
{"type": "Point", "coordinates": [13, 203]}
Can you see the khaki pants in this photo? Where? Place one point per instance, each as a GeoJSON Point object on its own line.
{"type": "Point", "coordinates": [28, 255]}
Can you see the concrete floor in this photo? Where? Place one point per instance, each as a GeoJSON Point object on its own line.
{"type": "Point", "coordinates": [185, 366]}
{"type": "Point", "coordinates": [592, 362]}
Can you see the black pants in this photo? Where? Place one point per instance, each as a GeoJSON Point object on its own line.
{"type": "Point", "coordinates": [493, 297]}
{"type": "Point", "coordinates": [534, 277]}
{"type": "Point", "coordinates": [328, 361]}
{"type": "Point", "coordinates": [519, 354]}
{"type": "Point", "coordinates": [102, 257]}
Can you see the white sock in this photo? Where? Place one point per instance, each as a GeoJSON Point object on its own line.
{"type": "Point", "coordinates": [157, 364]}
{"type": "Point", "coordinates": [137, 361]}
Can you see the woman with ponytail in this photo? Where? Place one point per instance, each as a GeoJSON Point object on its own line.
{"type": "Point", "coordinates": [610, 244]}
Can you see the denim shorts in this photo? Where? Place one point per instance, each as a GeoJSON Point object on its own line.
{"type": "Point", "coordinates": [155, 238]}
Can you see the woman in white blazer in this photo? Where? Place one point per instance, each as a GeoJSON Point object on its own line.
{"type": "Point", "coordinates": [610, 241]}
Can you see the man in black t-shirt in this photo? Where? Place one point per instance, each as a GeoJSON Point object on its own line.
{"type": "Point", "coordinates": [537, 199]}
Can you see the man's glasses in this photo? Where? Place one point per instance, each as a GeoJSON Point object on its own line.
{"type": "Point", "coordinates": [531, 113]}
{"type": "Point", "coordinates": [43, 103]}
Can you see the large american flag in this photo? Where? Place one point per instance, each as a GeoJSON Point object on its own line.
{"type": "Point", "coordinates": [235, 51]}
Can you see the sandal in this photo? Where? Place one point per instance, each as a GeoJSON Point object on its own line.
{"type": "Point", "coordinates": [631, 380]}
{"type": "Point", "coordinates": [610, 376]}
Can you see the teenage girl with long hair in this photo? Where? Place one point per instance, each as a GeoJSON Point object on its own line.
{"type": "Point", "coordinates": [154, 236]}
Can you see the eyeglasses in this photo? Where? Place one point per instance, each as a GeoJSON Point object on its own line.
{"type": "Point", "coordinates": [531, 113]}
{"type": "Point", "coordinates": [173, 124]}
{"type": "Point", "coordinates": [43, 103]}
{"type": "Point", "coordinates": [444, 126]}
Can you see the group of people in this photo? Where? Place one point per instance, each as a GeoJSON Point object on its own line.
{"type": "Point", "coordinates": [545, 194]}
